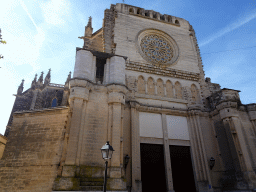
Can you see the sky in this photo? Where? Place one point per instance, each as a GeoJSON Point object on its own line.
{"type": "Point", "coordinates": [44, 34]}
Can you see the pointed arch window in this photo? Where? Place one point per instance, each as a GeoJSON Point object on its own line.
{"type": "Point", "coordinates": [141, 85]}
{"type": "Point", "coordinates": [160, 87]}
{"type": "Point", "coordinates": [54, 102]}
{"type": "Point", "coordinates": [178, 90]}
{"type": "Point", "coordinates": [169, 89]}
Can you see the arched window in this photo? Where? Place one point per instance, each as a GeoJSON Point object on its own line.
{"type": "Point", "coordinates": [194, 93]}
{"type": "Point", "coordinates": [141, 85]}
{"type": "Point", "coordinates": [160, 87]}
{"type": "Point", "coordinates": [169, 19]}
{"type": "Point", "coordinates": [169, 89]}
{"type": "Point", "coordinates": [139, 11]}
{"type": "Point", "coordinates": [177, 22]}
{"type": "Point", "coordinates": [54, 102]}
{"type": "Point", "coordinates": [178, 90]}
{"type": "Point", "coordinates": [151, 86]}
{"type": "Point", "coordinates": [131, 10]}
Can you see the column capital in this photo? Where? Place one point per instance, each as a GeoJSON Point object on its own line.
{"type": "Point", "coordinates": [79, 93]}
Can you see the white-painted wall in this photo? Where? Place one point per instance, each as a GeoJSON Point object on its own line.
{"type": "Point", "coordinates": [150, 125]}
{"type": "Point", "coordinates": [177, 127]}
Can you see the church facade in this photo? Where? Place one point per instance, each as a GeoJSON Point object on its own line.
{"type": "Point", "coordinates": [138, 82]}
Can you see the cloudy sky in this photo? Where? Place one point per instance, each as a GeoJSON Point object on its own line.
{"type": "Point", "coordinates": [44, 34]}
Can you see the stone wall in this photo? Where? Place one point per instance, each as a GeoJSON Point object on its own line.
{"type": "Point", "coordinates": [33, 153]}
{"type": "Point", "coordinates": [127, 28]}
{"type": "Point", "coordinates": [3, 141]}
{"type": "Point", "coordinates": [43, 99]}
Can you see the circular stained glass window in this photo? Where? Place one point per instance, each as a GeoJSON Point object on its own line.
{"type": "Point", "coordinates": [156, 48]}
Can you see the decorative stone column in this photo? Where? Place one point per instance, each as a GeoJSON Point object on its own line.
{"type": "Point", "coordinates": [79, 94]}
{"type": "Point", "coordinates": [167, 159]}
{"type": "Point", "coordinates": [116, 101]}
{"type": "Point", "coordinates": [117, 70]}
{"type": "Point", "coordinates": [85, 65]}
{"type": "Point", "coordinates": [245, 175]}
{"type": "Point", "coordinates": [198, 151]}
{"type": "Point", "coordinates": [165, 92]}
{"type": "Point", "coordinates": [146, 87]}
{"type": "Point", "coordinates": [135, 158]}
{"type": "Point", "coordinates": [155, 86]}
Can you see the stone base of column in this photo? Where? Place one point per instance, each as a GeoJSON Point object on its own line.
{"type": "Point", "coordinates": [89, 178]}
{"type": "Point", "coordinates": [137, 187]}
{"type": "Point", "coordinates": [68, 171]}
{"type": "Point", "coordinates": [203, 186]}
{"type": "Point", "coordinates": [116, 184]}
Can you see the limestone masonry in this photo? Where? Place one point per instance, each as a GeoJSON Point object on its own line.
{"type": "Point", "coordinates": [138, 82]}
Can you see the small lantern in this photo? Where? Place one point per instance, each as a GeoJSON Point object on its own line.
{"type": "Point", "coordinates": [126, 160]}
{"type": "Point", "coordinates": [212, 163]}
{"type": "Point", "coordinates": [107, 151]}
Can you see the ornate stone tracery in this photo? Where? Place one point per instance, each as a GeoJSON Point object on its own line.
{"type": "Point", "coordinates": [157, 49]}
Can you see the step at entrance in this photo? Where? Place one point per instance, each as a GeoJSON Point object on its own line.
{"type": "Point", "coordinates": [92, 184]}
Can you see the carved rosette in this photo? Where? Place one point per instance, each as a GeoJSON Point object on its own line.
{"type": "Point", "coordinates": [157, 47]}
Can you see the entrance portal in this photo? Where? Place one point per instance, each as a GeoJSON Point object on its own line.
{"type": "Point", "coordinates": [182, 171]}
{"type": "Point", "coordinates": [152, 168]}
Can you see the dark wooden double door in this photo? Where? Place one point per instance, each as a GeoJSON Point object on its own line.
{"type": "Point", "coordinates": [153, 169]}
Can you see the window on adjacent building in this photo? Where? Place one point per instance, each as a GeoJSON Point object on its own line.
{"type": "Point", "coordinates": [54, 102]}
{"type": "Point", "coordinates": [100, 63]}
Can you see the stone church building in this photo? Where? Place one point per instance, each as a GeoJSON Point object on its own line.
{"type": "Point", "coordinates": [138, 82]}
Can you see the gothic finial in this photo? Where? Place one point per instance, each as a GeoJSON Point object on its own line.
{"type": "Point", "coordinates": [88, 28]}
{"type": "Point", "coordinates": [21, 87]}
{"type": "Point", "coordinates": [40, 80]}
{"type": "Point", "coordinates": [35, 79]}
{"type": "Point", "coordinates": [89, 24]}
{"type": "Point", "coordinates": [47, 79]}
{"type": "Point", "coordinates": [69, 77]}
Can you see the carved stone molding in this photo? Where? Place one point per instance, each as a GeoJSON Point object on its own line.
{"type": "Point", "coordinates": [168, 72]}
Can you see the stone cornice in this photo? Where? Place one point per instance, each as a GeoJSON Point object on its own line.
{"type": "Point", "coordinates": [152, 69]}
{"type": "Point", "coordinates": [41, 110]}
{"type": "Point", "coordinates": [155, 19]}
{"type": "Point", "coordinates": [156, 97]}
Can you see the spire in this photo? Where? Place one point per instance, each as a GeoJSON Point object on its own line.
{"type": "Point", "coordinates": [33, 84]}
{"type": "Point", "coordinates": [47, 79]}
{"type": "Point", "coordinates": [20, 88]}
{"type": "Point", "coordinates": [89, 24]}
{"type": "Point", "coordinates": [88, 28]}
{"type": "Point", "coordinates": [69, 77]}
{"type": "Point", "coordinates": [40, 80]}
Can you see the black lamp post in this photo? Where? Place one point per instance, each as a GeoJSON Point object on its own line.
{"type": "Point", "coordinates": [107, 151]}
{"type": "Point", "coordinates": [126, 161]}
{"type": "Point", "coordinates": [212, 163]}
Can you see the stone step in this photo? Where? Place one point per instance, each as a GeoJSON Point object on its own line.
{"type": "Point", "coordinates": [91, 188]}
{"type": "Point", "coordinates": [91, 183]}
{"type": "Point", "coordinates": [94, 179]}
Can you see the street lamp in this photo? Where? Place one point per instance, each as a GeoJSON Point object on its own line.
{"type": "Point", "coordinates": [126, 161]}
{"type": "Point", "coordinates": [107, 151]}
{"type": "Point", "coordinates": [212, 163]}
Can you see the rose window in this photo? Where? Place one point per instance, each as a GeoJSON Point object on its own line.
{"type": "Point", "coordinates": [156, 49]}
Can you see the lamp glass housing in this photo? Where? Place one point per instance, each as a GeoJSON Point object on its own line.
{"type": "Point", "coordinates": [107, 151]}
{"type": "Point", "coordinates": [212, 163]}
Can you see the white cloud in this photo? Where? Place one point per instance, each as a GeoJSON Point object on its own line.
{"type": "Point", "coordinates": [54, 11]}
{"type": "Point", "coordinates": [238, 23]}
